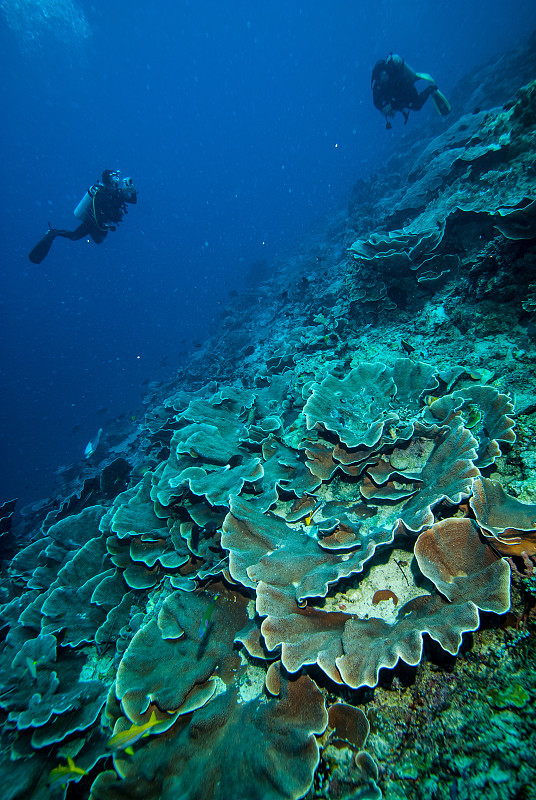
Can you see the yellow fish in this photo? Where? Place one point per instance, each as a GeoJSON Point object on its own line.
{"type": "Point", "coordinates": [125, 739]}
{"type": "Point", "coordinates": [309, 517]}
{"type": "Point", "coordinates": [65, 772]}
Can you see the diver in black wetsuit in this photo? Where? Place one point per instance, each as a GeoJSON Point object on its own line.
{"type": "Point", "coordinates": [393, 89]}
{"type": "Point", "coordinates": [101, 209]}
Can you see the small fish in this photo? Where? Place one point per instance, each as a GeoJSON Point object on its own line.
{"type": "Point", "coordinates": [309, 517]}
{"type": "Point", "coordinates": [32, 667]}
{"type": "Point", "coordinates": [473, 417]}
{"type": "Point", "coordinates": [203, 626]}
{"type": "Point", "coordinates": [64, 773]}
{"type": "Point", "coordinates": [92, 445]}
{"type": "Point", "coordinates": [125, 739]}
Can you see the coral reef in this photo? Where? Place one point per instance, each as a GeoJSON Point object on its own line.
{"type": "Point", "coordinates": [313, 575]}
{"type": "Point", "coordinates": [251, 558]}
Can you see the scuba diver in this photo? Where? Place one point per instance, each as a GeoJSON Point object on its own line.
{"type": "Point", "coordinates": [100, 210]}
{"type": "Point", "coordinates": [393, 89]}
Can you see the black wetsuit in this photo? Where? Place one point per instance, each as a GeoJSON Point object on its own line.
{"type": "Point", "coordinates": [398, 92]}
{"type": "Point", "coordinates": [108, 206]}
{"type": "Point", "coordinates": [107, 211]}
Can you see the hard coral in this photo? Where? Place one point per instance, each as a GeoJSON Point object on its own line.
{"type": "Point", "coordinates": [302, 523]}
{"type": "Point", "coordinates": [274, 751]}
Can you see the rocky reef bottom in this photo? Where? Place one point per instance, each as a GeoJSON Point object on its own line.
{"type": "Point", "coordinates": [453, 731]}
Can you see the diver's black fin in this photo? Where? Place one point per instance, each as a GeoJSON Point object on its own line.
{"type": "Point", "coordinates": [441, 103]}
{"type": "Point", "coordinates": [40, 251]}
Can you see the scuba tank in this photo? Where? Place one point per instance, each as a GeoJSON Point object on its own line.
{"type": "Point", "coordinates": [85, 206]}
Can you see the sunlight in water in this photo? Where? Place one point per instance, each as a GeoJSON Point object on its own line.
{"type": "Point", "coordinates": [36, 21]}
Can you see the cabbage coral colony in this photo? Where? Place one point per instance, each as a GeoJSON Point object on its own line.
{"type": "Point", "coordinates": [268, 540]}
{"type": "Point", "coordinates": [204, 634]}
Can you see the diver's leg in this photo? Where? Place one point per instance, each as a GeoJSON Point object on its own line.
{"type": "Point", "coordinates": [41, 249]}
{"type": "Point", "coordinates": [73, 236]}
{"type": "Point", "coordinates": [420, 99]}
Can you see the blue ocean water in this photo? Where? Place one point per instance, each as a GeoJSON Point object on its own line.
{"type": "Point", "coordinates": [240, 123]}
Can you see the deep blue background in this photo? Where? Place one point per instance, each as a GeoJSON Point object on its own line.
{"type": "Point", "coordinates": [240, 122]}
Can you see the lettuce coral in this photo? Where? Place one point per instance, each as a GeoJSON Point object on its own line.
{"type": "Point", "coordinates": [267, 538]}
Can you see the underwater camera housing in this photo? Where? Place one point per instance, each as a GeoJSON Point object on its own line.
{"type": "Point", "coordinates": [128, 190]}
